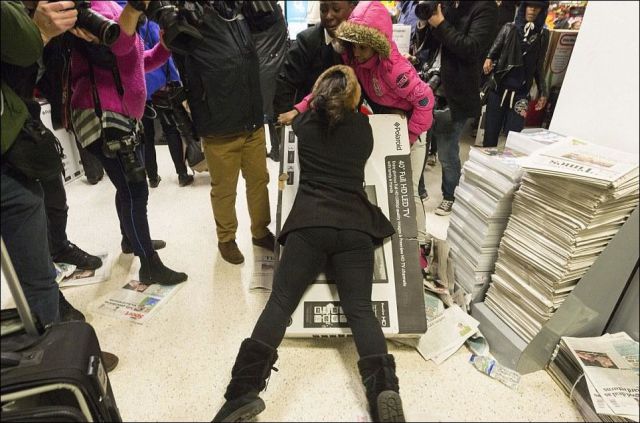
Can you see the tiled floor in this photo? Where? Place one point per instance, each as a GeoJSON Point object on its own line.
{"type": "Point", "coordinates": [176, 366]}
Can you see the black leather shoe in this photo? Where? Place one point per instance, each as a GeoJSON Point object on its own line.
{"type": "Point", "coordinates": [81, 259]}
{"type": "Point", "coordinates": [184, 180]}
{"type": "Point", "coordinates": [152, 270]}
{"type": "Point", "coordinates": [68, 312]}
{"type": "Point", "coordinates": [154, 182]}
{"type": "Point", "coordinates": [94, 179]}
{"type": "Point", "coordinates": [268, 241]}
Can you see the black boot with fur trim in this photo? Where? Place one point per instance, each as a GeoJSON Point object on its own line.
{"type": "Point", "coordinates": [250, 372]}
{"type": "Point", "coordinates": [379, 378]}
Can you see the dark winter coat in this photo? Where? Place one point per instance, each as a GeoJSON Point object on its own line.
{"type": "Point", "coordinates": [307, 58]}
{"type": "Point", "coordinates": [510, 44]}
{"type": "Point", "coordinates": [222, 78]}
{"type": "Point", "coordinates": [271, 45]}
{"type": "Point", "coordinates": [465, 36]}
{"type": "Point", "coordinates": [331, 192]}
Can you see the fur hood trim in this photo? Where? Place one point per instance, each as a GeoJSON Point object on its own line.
{"type": "Point", "coordinates": [362, 34]}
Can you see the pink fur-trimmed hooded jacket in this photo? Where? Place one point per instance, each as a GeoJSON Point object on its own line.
{"type": "Point", "coordinates": [387, 78]}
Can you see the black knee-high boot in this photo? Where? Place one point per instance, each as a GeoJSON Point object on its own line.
{"type": "Point", "coordinates": [252, 368]}
{"type": "Point", "coordinates": [379, 378]}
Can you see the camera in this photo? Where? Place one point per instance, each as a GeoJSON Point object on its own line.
{"type": "Point", "coordinates": [125, 149]}
{"type": "Point", "coordinates": [426, 9]}
{"type": "Point", "coordinates": [176, 94]}
{"type": "Point", "coordinates": [177, 19]}
{"type": "Point", "coordinates": [431, 76]}
{"type": "Point", "coordinates": [180, 19]}
{"type": "Point", "coordinates": [171, 98]}
{"type": "Point", "coordinates": [105, 29]}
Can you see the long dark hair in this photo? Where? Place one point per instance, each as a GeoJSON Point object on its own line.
{"type": "Point", "coordinates": [333, 94]}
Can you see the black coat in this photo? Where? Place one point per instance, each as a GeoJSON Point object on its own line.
{"type": "Point", "coordinates": [506, 51]}
{"type": "Point", "coordinates": [465, 37]}
{"type": "Point", "coordinates": [307, 58]}
{"type": "Point", "coordinates": [331, 192]}
{"type": "Point", "coordinates": [271, 44]}
{"type": "Point", "coordinates": [222, 78]}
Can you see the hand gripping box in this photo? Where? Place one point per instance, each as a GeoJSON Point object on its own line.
{"type": "Point", "coordinates": [397, 297]}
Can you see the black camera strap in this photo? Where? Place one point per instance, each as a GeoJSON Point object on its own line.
{"type": "Point", "coordinates": [97, 105]}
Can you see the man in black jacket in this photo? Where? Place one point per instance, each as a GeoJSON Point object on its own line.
{"type": "Point", "coordinates": [222, 79]}
{"type": "Point", "coordinates": [310, 55]}
{"type": "Point", "coordinates": [516, 58]}
{"type": "Point", "coordinates": [464, 30]}
{"type": "Point", "coordinates": [271, 39]}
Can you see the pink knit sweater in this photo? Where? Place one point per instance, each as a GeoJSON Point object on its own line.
{"type": "Point", "coordinates": [132, 61]}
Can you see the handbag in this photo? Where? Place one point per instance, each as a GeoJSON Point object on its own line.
{"type": "Point", "coordinates": [36, 152]}
{"type": "Point", "coordinates": [489, 85]}
{"type": "Point", "coordinates": [195, 156]}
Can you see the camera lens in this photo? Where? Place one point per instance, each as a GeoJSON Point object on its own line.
{"type": "Point", "coordinates": [179, 36]}
{"type": "Point", "coordinates": [109, 33]}
{"type": "Point", "coordinates": [105, 29]}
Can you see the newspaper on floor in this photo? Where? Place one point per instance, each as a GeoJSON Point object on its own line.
{"type": "Point", "coordinates": [135, 301]}
{"type": "Point", "coordinates": [63, 270]}
{"type": "Point", "coordinates": [86, 277]}
{"type": "Point", "coordinates": [434, 310]}
{"type": "Point", "coordinates": [610, 365]}
{"type": "Point", "coordinates": [433, 307]}
{"type": "Point", "coordinates": [263, 269]}
{"type": "Point", "coordinates": [446, 334]}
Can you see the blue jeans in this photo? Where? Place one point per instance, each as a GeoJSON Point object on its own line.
{"type": "Point", "coordinates": [446, 133]}
{"type": "Point", "coordinates": [131, 198]}
{"type": "Point", "coordinates": [24, 231]}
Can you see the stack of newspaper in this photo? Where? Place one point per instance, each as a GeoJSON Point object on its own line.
{"type": "Point", "coordinates": [573, 199]}
{"type": "Point", "coordinates": [480, 213]}
{"type": "Point", "coordinates": [600, 374]}
{"type": "Point", "coordinates": [532, 139]}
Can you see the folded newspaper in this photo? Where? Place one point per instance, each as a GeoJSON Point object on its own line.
{"type": "Point", "coordinates": [583, 161]}
{"type": "Point", "coordinates": [69, 275]}
{"type": "Point", "coordinates": [135, 301]}
{"type": "Point", "coordinates": [63, 271]}
{"type": "Point", "coordinates": [446, 334]}
{"type": "Point", "coordinates": [610, 366]}
{"type": "Point", "coordinates": [263, 268]}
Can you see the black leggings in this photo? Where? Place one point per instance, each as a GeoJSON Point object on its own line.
{"type": "Point", "coordinates": [350, 255]}
{"type": "Point", "coordinates": [174, 141]}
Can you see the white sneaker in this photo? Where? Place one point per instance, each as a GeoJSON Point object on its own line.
{"type": "Point", "coordinates": [444, 209]}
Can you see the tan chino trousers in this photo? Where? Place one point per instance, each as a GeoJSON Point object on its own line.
{"type": "Point", "coordinates": [226, 157]}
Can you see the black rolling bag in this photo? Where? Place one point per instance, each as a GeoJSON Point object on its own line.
{"type": "Point", "coordinates": [54, 374]}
